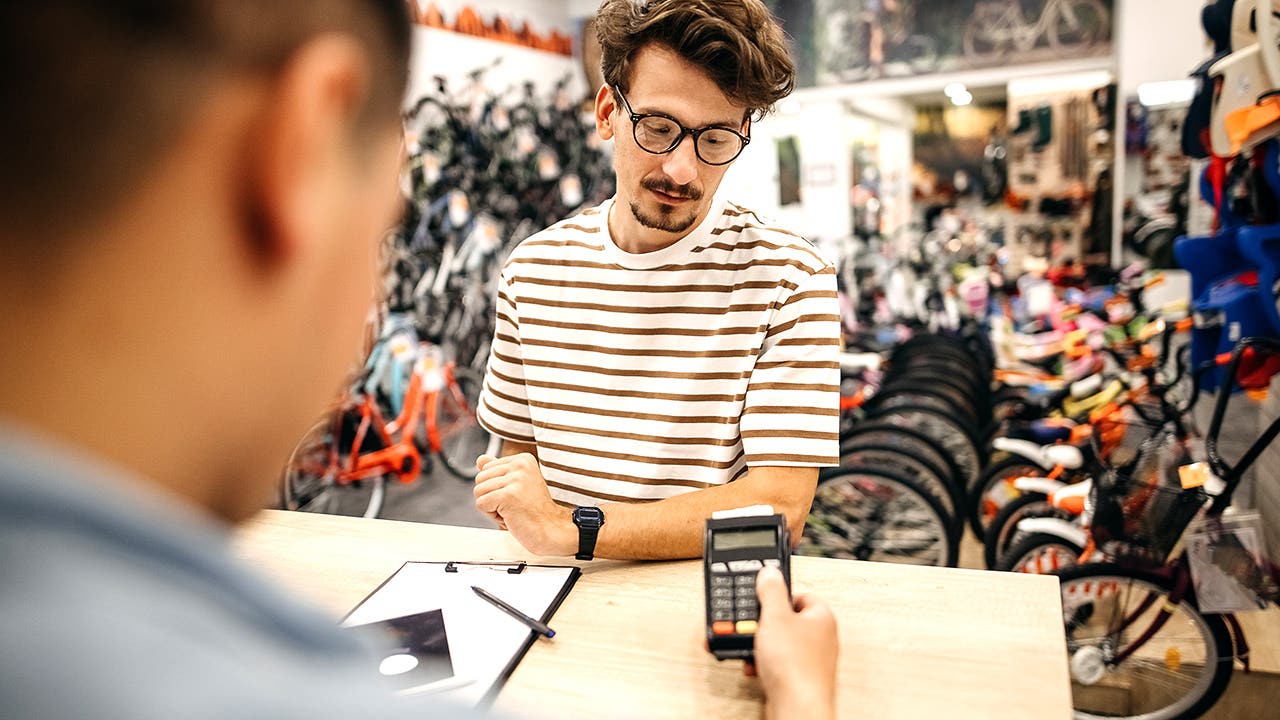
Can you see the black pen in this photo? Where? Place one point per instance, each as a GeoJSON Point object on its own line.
{"type": "Point", "coordinates": [539, 627]}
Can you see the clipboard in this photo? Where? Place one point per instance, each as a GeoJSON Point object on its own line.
{"type": "Point", "coordinates": [485, 644]}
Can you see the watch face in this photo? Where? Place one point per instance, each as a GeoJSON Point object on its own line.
{"type": "Point", "coordinates": [588, 516]}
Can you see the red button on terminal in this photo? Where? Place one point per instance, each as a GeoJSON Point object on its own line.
{"type": "Point", "coordinates": [722, 628]}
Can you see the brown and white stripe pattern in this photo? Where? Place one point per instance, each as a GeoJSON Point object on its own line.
{"type": "Point", "coordinates": [640, 377]}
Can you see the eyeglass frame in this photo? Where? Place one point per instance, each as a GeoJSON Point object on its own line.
{"type": "Point", "coordinates": [684, 132]}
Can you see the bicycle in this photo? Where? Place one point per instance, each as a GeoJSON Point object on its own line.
{"type": "Point", "coordinates": [1135, 623]}
{"type": "Point", "coordinates": [1000, 26]}
{"type": "Point", "coordinates": [344, 460]}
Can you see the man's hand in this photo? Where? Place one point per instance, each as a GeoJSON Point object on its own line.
{"type": "Point", "coordinates": [796, 649]}
{"type": "Point", "coordinates": [512, 491]}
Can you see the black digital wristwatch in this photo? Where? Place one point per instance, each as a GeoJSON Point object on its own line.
{"type": "Point", "coordinates": [589, 520]}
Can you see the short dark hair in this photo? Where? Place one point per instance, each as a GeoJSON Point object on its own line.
{"type": "Point", "coordinates": [95, 91]}
{"type": "Point", "coordinates": [737, 42]}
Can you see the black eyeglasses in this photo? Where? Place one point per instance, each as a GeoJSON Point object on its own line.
{"type": "Point", "coordinates": [659, 134]}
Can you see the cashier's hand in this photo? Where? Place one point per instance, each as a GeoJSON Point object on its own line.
{"type": "Point", "coordinates": [512, 491]}
{"type": "Point", "coordinates": [796, 649]}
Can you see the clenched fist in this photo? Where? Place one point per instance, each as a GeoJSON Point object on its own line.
{"type": "Point", "coordinates": [512, 491]}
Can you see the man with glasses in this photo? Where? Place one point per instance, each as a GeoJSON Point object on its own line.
{"type": "Point", "coordinates": [669, 353]}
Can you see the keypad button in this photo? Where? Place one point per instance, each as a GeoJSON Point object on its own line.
{"type": "Point", "coordinates": [721, 581]}
{"type": "Point", "coordinates": [773, 562]}
{"type": "Point", "coordinates": [722, 592]}
{"type": "Point", "coordinates": [719, 615]}
{"type": "Point", "coordinates": [739, 566]}
{"type": "Point", "coordinates": [746, 615]}
{"type": "Point", "coordinates": [746, 627]}
{"type": "Point", "coordinates": [721, 604]}
{"type": "Point", "coordinates": [719, 568]}
{"type": "Point", "coordinates": [744, 580]}
{"type": "Point", "coordinates": [745, 591]}
{"type": "Point", "coordinates": [723, 628]}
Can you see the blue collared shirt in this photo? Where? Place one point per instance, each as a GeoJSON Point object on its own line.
{"type": "Point", "coordinates": [117, 602]}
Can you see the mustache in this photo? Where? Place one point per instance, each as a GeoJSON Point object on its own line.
{"type": "Point", "coordinates": [663, 185]}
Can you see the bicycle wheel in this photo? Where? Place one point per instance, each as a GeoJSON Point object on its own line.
{"type": "Point", "coordinates": [1040, 554]}
{"type": "Point", "coordinates": [992, 491]}
{"type": "Point", "coordinates": [1080, 24]}
{"type": "Point", "coordinates": [949, 432]}
{"type": "Point", "coordinates": [1180, 672]}
{"type": "Point", "coordinates": [309, 482]}
{"type": "Point", "coordinates": [929, 476]}
{"type": "Point", "coordinates": [1003, 530]}
{"type": "Point", "coordinates": [908, 441]}
{"type": "Point", "coordinates": [878, 515]}
{"type": "Point", "coordinates": [462, 438]}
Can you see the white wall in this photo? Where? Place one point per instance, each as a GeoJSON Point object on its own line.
{"type": "Point", "coordinates": [453, 55]}
{"type": "Point", "coordinates": [1157, 40]}
{"type": "Point", "coordinates": [543, 15]}
{"type": "Point", "coordinates": [825, 128]}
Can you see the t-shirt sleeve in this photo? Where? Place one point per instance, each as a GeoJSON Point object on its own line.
{"type": "Point", "coordinates": [504, 403]}
{"type": "Point", "coordinates": [791, 415]}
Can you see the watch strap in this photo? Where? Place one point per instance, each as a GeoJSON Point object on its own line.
{"type": "Point", "coordinates": [587, 542]}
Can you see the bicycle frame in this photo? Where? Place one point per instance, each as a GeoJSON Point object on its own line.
{"type": "Point", "coordinates": [1177, 569]}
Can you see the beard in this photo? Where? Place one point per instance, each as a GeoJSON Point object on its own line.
{"type": "Point", "coordinates": [665, 217]}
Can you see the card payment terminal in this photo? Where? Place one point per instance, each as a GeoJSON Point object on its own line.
{"type": "Point", "coordinates": [736, 548]}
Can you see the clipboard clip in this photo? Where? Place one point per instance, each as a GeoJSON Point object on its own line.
{"type": "Point", "coordinates": [513, 568]}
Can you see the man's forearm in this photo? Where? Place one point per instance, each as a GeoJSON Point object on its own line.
{"type": "Point", "coordinates": [673, 528]}
{"type": "Point", "coordinates": [511, 447]}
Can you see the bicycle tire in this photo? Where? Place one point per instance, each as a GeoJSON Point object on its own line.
{"type": "Point", "coordinates": [909, 440]}
{"type": "Point", "coordinates": [1206, 637]}
{"type": "Point", "coordinates": [462, 438]}
{"type": "Point", "coordinates": [953, 436]}
{"type": "Point", "coordinates": [1091, 29]}
{"type": "Point", "coordinates": [903, 395]}
{"type": "Point", "coordinates": [310, 486]}
{"type": "Point", "coordinates": [920, 470]}
{"type": "Point", "coordinates": [847, 520]}
{"type": "Point", "coordinates": [984, 503]}
{"type": "Point", "coordinates": [1040, 554]}
{"type": "Point", "coordinates": [1002, 532]}
{"type": "Point", "coordinates": [946, 397]}
{"type": "Point", "coordinates": [958, 365]}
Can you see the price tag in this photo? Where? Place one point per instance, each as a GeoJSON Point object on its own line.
{"type": "Point", "coordinates": [484, 235]}
{"type": "Point", "coordinates": [430, 168]}
{"type": "Point", "coordinates": [1039, 298]}
{"type": "Point", "coordinates": [1194, 475]}
{"type": "Point", "coordinates": [459, 208]}
{"type": "Point", "coordinates": [525, 142]}
{"type": "Point", "coordinates": [571, 191]}
{"type": "Point", "coordinates": [500, 119]}
{"type": "Point", "coordinates": [431, 370]}
{"type": "Point", "coordinates": [401, 348]}
{"type": "Point", "coordinates": [548, 165]}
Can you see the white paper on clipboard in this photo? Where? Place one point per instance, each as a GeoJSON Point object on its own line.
{"type": "Point", "coordinates": [485, 644]}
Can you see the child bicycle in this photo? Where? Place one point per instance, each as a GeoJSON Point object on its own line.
{"type": "Point", "coordinates": [1134, 622]}
{"type": "Point", "coordinates": [342, 464]}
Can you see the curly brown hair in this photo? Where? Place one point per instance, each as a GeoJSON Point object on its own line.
{"type": "Point", "coordinates": [737, 42]}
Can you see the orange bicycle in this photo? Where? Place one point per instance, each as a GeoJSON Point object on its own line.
{"type": "Point", "coordinates": [342, 464]}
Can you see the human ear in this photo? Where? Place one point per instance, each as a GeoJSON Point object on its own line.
{"type": "Point", "coordinates": [605, 105]}
{"type": "Point", "coordinates": [297, 145]}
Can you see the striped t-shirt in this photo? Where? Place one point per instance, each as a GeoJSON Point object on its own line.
{"type": "Point", "coordinates": [643, 376]}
